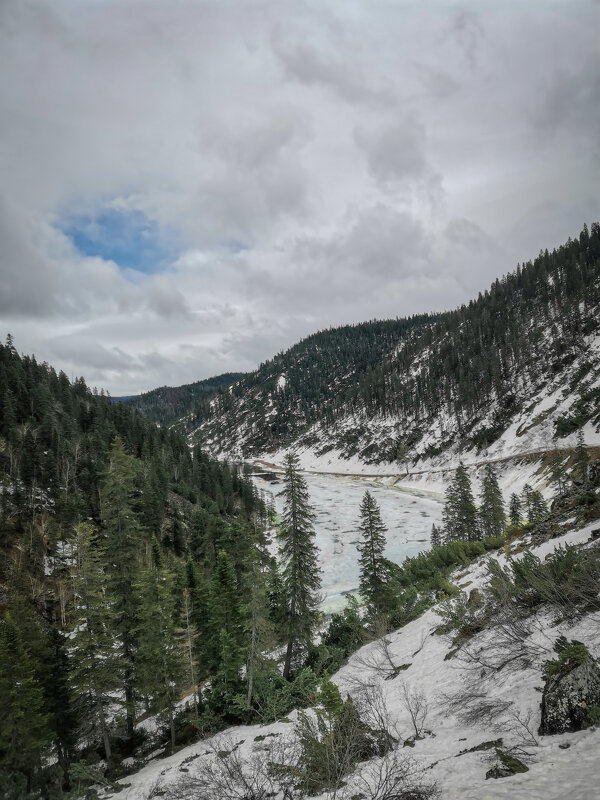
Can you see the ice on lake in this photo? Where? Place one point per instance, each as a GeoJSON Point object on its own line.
{"type": "Point", "coordinates": [336, 501]}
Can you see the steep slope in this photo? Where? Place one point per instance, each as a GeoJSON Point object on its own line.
{"type": "Point", "coordinates": [480, 696]}
{"type": "Point", "coordinates": [308, 383]}
{"type": "Point", "coordinates": [502, 375]}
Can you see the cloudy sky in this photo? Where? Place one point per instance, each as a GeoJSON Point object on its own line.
{"type": "Point", "coordinates": [187, 188]}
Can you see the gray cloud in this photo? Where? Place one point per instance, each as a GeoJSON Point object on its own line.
{"type": "Point", "coordinates": [318, 163]}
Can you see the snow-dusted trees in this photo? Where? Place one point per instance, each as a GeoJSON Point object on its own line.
{"type": "Point", "coordinates": [300, 573]}
{"type": "Point", "coordinates": [374, 571]}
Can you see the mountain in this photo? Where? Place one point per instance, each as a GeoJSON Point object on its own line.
{"type": "Point", "coordinates": [502, 374]}
{"type": "Point", "coordinates": [188, 404]}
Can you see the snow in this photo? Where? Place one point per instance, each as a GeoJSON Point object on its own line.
{"type": "Point", "coordinates": [553, 772]}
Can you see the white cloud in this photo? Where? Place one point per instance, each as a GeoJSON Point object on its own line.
{"type": "Point", "coordinates": [319, 163]}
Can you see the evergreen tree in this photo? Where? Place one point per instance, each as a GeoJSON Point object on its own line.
{"type": "Point", "coordinates": [97, 662]}
{"type": "Point", "coordinates": [534, 503]}
{"type": "Point", "coordinates": [436, 536]}
{"type": "Point", "coordinates": [123, 531]}
{"type": "Point", "coordinates": [24, 730]}
{"type": "Point", "coordinates": [491, 512]}
{"type": "Point", "coordinates": [581, 458]}
{"type": "Point", "coordinates": [558, 472]}
{"type": "Point", "coordinates": [258, 628]}
{"type": "Point", "coordinates": [515, 509]}
{"type": "Point", "coordinates": [158, 659]}
{"type": "Point", "coordinates": [300, 570]}
{"type": "Point", "coordinates": [374, 582]}
{"type": "Point", "coordinates": [460, 514]}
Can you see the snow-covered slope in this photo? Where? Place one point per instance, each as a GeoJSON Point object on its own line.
{"type": "Point", "coordinates": [558, 766]}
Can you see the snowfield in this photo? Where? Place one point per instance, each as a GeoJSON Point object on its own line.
{"type": "Point", "coordinates": [554, 773]}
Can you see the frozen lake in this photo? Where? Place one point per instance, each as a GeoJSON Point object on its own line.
{"type": "Point", "coordinates": [336, 501]}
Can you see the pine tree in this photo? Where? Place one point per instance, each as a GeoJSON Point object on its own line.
{"type": "Point", "coordinates": [436, 536]}
{"type": "Point", "coordinates": [299, 556]}
{"type": "Point", "coordinates": [97, 662]}
{"type": "Point", "coordinates": [515, 509]}
{"type": "Point", "coordinates": [558, 472]}
{"type": "Point", "coordinates": [123, 531]}
{"type": "Point", "coordinates": [158, 659]}
{"type": "Point", "coordinates": [24, 730]}
{"type": "Point", "coordinates": [460, 514]}
{"type": "Point", "coordinates": [581, 458]}
{"type": "Point", "coordinates": [491, 512]}
{"type": "Point", "coordinates": [534, 503]}
{"type": "Point", "coordinates": [374, 573]}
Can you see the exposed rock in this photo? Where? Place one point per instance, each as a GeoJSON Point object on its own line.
{"type": "Point", "coordinates": [509, 765]}
{"type": "Point", "coordinates": [475, 599]}
{"type": "Point", "coordinates": [593, 472]}
{"type": "Point", "coordinates": [567, 697]}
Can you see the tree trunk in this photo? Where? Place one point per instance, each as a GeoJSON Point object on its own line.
{"type": "Point", "coordinates": [288, 660]}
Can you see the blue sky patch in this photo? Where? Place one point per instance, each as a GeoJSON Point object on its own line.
{"type": "Point", "coordinates": [129, 238]}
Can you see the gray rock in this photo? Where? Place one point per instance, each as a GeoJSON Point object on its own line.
{"type": "Point", "coordinates": [567, 696]}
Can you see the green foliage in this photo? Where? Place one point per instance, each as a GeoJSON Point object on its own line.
{"type": "Point", "coordinates": [568, 581]}
{"type": "Point", "coordinates": [24, 729]}
{"type": "Point", "coordinates": [570, 655]}
{"type": "Point", "coordinates": [491, 511]}
{"type": "Point", "coordinates": [346, 630]}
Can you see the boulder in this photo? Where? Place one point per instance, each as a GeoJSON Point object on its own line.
{"type": "Point", "coordinates": [567, 697]}
{"type": "Point", "coordinates": [509, 765]}
{"type": "Point", "coordinates": [593, 472]}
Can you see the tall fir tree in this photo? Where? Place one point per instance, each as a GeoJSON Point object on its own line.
{"type": "Point", "coordinates": [123, 544]}
{"type": "Point", "coordinates": [582, 458]}
{"type": "Point", "coordinates": [300, 569]}
{"type": "Point", "coordinates": [159, 663]}
{"type": "Point", "coordinates": [558, 472]}
{"type": "Point", "coordinates": [97, 670]}
{"type": "Point", "coordinates": [436, 536]}
{"type": "Point", "coordinates": [514, 511]}
{"type": "Point", "coordinates": [491, 510]}
{"type": "Point", "coordinates": [374, 581]}
{"type": "Point", "coordinates": [24, 728]}
{"type": "Point", "coordinates": [460, 513]}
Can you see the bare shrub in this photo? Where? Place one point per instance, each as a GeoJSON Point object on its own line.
{"type": "Point", "coordinates": [396, 776]}
{"type": "Point", "coordinates": [223, 773]}
{"type": "Point", "coordinates": [417, 705]}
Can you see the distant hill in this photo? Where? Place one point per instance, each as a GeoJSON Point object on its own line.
{"type": "Point", "coordinates": [188, 404]}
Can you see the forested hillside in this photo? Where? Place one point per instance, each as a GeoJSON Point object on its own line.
{"type": "Point", "coordinates": [430, 383]}
{"type": "Point", "coordinates": [310, 382]}
{"type": "Point", "coordinates": [189, 403]}
{"type": "Point", "coordinates": [123, 560]}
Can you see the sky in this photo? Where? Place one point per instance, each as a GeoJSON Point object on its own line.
{"type": "Point", "coordinates": [188, 188]}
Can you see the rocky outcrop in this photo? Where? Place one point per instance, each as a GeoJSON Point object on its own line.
{"type": "Point", "coordinates": [568, 696]}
